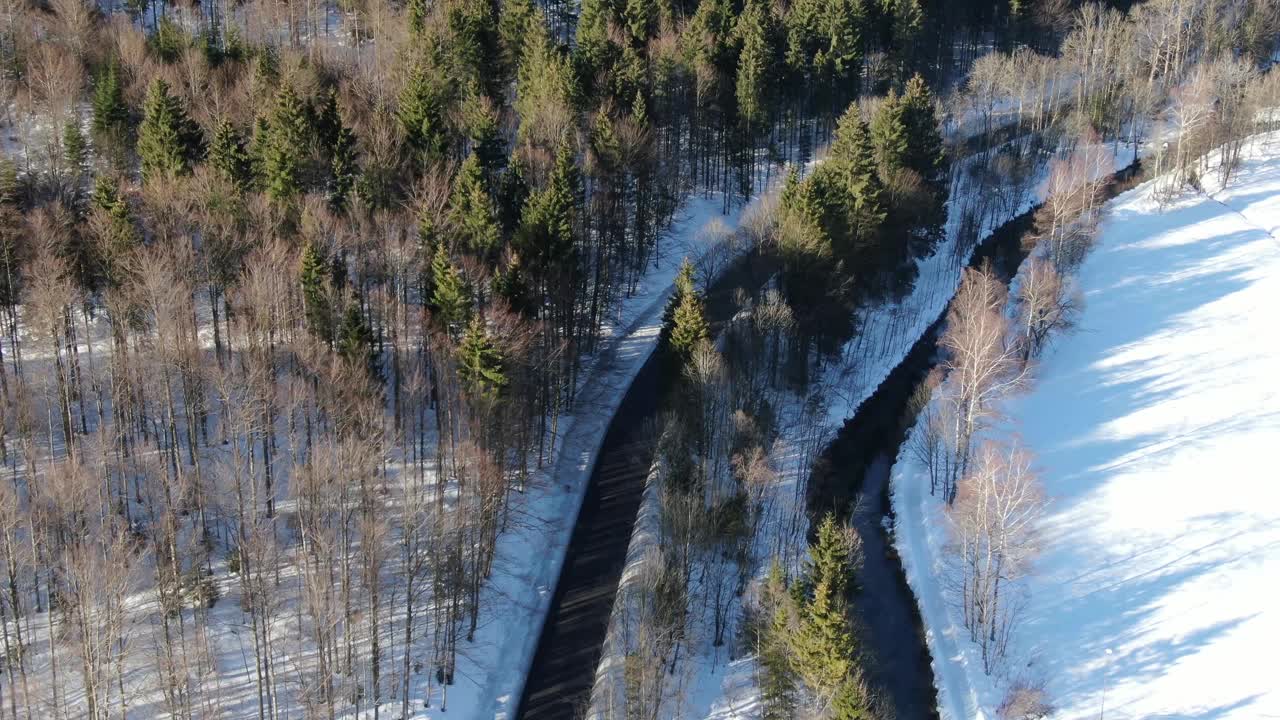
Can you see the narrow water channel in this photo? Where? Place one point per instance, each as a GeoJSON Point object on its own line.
{"type": "Point", "coordinates": [852, 480]}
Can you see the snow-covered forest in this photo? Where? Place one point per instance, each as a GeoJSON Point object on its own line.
{"type": "Point", "coordinates": [315, 317]}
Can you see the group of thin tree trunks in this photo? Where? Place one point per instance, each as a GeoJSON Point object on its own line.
{"type": "Point", "coordinates": [294, 295]}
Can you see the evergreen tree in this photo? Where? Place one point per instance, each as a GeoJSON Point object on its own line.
{"type": "Point", "coordinates": [709, 40]}
{"type": "Point", "coordinates": [829, 557]}
{"type": "Point", "coordinates": [689, 327]}
{"type": "Point", "coordinates": [257, 147]}
{"type": "Point", "coordinates": [547, 241]}
{"type": "Point", "coordinates": [839, 61]}
{"type": "Point", "coordinates": [684, 287]}
{"type": "Point", "coordinates": [546, 238]}
{"type": "Point", "coordinates": [855, 161]}
{"type": "Point", "coordinates": [515, 20]}
{"type": "Point", "coordinates": [422, 110]}
{"type": "Point", "coordinates": [823, 644]}
{"type": "Point", "coordinates": [925, 150]}
{"type": "Point", "coordinates": [850, 702]}
{"type": "Point", "coordinates": [906, 138]}
{"type": "Point", "coordinates": [777, 677]}
{"type": "Point", "coordinates": [228, 157]}
{"type": "Point", "coordinates": [545, 88]}
{"type": "Point", "coordinates": [168, 142]}
{"type": "Point", "coordinates": [75, 152]}
{"type": "Point", "coordinates": [11, 235]}
{"type": "Point", "coordinates": [427, 246]}
{"type": "Point", "coordinates": [416, 14]}
{"type": "Point", "coordinates": [326, 119]}
{"type": "Point", "coordinates": [471, 209]}
{"type": "Point", "coordinates": [473, 43]}
{"type": "Point", "coordinates": [285, 145]}
{"type": "Point", "coordinates": [450, 298]}
{"type": "Point", "coordinates": [315, 296]}
{"type": "Point", "coordinates": [513, 195]}
{"type": "Point", "coordinates": [480, 362]}
{"type": "Point", "coordinates": [482, 131]}
{"type": "Point", "coordinates": [117, 234]}
{"type": "Point", "coordinates": [510, 285]}
{"type": "Point", "coordinates": [907, 24]}
{"type": "Point", "coordinates": [355, 340]}
{"type": "Point", "coordinates": [342, 168]}
{"type": "Point", "coordinates": [110, 113]}
{"type": "Point", "coordinates": [754, 87]}
{"type": "Point", "coordinates": [168, 40]}
{"type": "Point", "coordinates": [641, 20]}
{"type": "Point", "coordinates": [800, 25]}
{"type": "Point", "coordinates": [594, 53]}
{"type": "Point", "coordinates": [889, 132]}
{"type": "Point", "coordinates": [339, 144]}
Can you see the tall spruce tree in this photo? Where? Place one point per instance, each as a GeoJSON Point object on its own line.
{"type": "Point", "coordinates": [168, 141]}
{"type": "Point", "coordinates": [594, 51]}
{"type": "Point", "coordinates": [777, 676]}
{"type": "Point", "coordinates": [75, 158]}
{"type": "Point", "coordinates": [472, 211]}
{"type": "Point", "coordinates": [480, 362]}
{"type": "Point", "coordinates": [473, 47]}
{"type": "Point", "coordinates": [509, 283]}
{"type": "Point", "coordinates": [228, 157]}
{"type": "Point", "coordinates": [546, 235]}
{"type": "Point", "coordinates": [285, 146]}
{"type": "Point", "coordinates": [889, 132]}
{"type": "Point", "coordinates": [11, 235]}
{"type": "Point", "coordinates": [450, 297]}
{"type": "Point", "coordinates": [855, 161]}
{"type": "Point", "coordinates": [416, 13]}
{"type": "Point", "coordinates": [684, 287]}
{"type": "Point", "coordinates": [754, 84]}
{"type": "Point", "coordinates": [110, 113]}
{"type": "Point", "coordinates": [483, 134]}
{"type": "Point", "coordinates": [514, 22]}
{"type": "Point", "coordinates": [117, 234]}
{"type": "Point", "coordinates": [907, 25]}
{"type": "Point", "coordinates": [926, 153]}
{"type": "Point", "coordinates": [823, 645]}
{"type": "Point", "coordinates": [355, 340]}
{"type": "Point", "coordinates": [423, 108]}
{"type": "Point", "coordinates": [689, 328]}
{"type": "Point", "coordinates": [338, 143]}
{"type": "Point", "coordinates": [343, 169]}
{"type": "Point", "coordinates": [838, 62]}
{"type": "Point", "coordinates": [315, 293]}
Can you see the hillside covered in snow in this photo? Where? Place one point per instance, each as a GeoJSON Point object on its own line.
{"type": "Point", "coordinates": [1151, 424]}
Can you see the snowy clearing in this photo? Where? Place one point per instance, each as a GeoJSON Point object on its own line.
{"type": "Point", "coordinates": [1151, 425]}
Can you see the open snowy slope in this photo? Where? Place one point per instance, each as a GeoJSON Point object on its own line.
{"type": "Point", "coordinates": [1154, 426]}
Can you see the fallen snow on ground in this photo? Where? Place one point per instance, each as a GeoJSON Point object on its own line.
{"type": "Point", "coordinates": [1152, 423]}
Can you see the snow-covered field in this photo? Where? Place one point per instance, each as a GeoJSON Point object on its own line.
{"type": "Point", "coordinates": [1152, 425]}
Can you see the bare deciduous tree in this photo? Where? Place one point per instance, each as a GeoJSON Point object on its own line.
{"type": "Point", "coordinates": [1045, 306]}
{"type": "Point", "coordinates": [993, 520]}
{"type": "Point", "coordinates": [981, 364]}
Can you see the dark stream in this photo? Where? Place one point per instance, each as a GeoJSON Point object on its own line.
{"type": "Point", "coordinates": [854, 473]}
